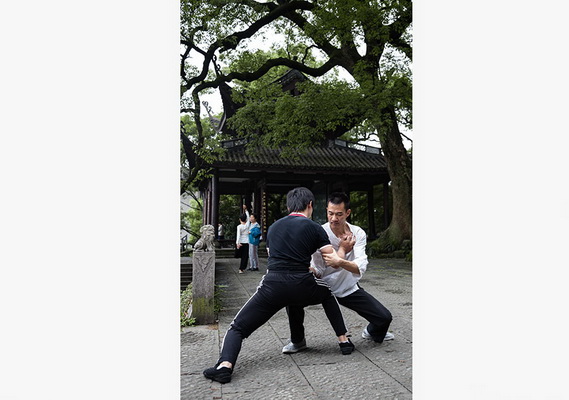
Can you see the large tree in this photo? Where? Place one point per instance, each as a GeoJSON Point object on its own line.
{"type": "Point", "coordinates": [370, 40]}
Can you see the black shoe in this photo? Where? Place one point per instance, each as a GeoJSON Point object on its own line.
{"type": "Point", "coordinates": [254, 269]}
{"type": "Point", "coordinates": [347, 347]}
{"type": "Point", "coordinates": [222, 375]}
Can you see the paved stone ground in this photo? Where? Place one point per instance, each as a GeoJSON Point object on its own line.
{"type": "Point", "coordinates": [321, 372]}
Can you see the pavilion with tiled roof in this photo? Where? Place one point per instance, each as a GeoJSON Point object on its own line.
{"type": "Point", "coordinates": [332, 165]}
{"type": "Point", "coordinates": [335, 165]}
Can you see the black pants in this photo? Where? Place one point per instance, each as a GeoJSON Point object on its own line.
{"type": "Point", "coordinates": [244, 249]}
{"type": "Point", "coordinates": [361, 302]}
{"type": "Point", "coordinates": [276, 291]}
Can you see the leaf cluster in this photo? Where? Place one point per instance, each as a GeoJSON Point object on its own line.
{"type": "Point", "coordinates": [191, 220]}
{"type": "Point", "coordinates": [278, 119]}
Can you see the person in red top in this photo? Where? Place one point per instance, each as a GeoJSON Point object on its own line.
{"type": "Point", "coordinates": [288, 281]}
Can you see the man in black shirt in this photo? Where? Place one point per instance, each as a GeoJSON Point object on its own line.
{"type": "Point", "coordinates": [290, 244]}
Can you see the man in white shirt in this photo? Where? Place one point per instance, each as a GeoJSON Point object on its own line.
{"type": "Point", "coordinates": [343, 274]}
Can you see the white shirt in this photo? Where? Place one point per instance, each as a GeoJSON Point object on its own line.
{"type": "Point", "coordinates": [242, 235]}
{"type": "Point", "coordinates": [343, 282]}
{"type": "Point", "coordinates": [243, 231]}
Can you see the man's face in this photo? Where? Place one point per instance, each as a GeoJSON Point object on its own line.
{"type": "Point", "coordinates": [337, 214]}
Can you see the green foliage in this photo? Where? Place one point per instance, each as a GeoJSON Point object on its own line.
{"type": "Point", "coordinates": [359, 215]}
{"type": "Point", "coordinates": [191, 220]}
{"type": "Point", "coordinates": [185, 301]}
{"type": "Point", "coordinates": [229, 212]}
{"type": "Point", "coordinates": [296, 122]}
{"type": "Point", "coordinates": [387, 246]}
{"type": "Point", "coordinates": [371, 41]}
{"type": "Point", "coordinates": [209, 149]}
{"type": "Point", "coordinates": [382, 76]}
{"type": "Point", "coordinates": [206, 148]}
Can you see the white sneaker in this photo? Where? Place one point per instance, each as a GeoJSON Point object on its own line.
{"type": "Point", "coordinates": [291, 347]}
{"type": "Point", "coordinates": [366, 335]}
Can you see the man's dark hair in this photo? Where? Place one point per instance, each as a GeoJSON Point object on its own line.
{"type": "Point", "coordinates": [338, 198]}
{"type": "Point", "coordinates": [298, 199]}
{"type": "Point", "coordinates": [243, 218]}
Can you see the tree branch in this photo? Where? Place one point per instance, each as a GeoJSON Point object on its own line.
{"type": "Point", "coordinates": [255, 5]}
{"type": "Point", "coordinates": [251, 76]}
{"type": "Point", "coordinates": [402, 134]}
{"type": "Point", "coordinates": [183, 63]}
{"type": "Point", "coordinates": [346, 55]}
{"type": "Point", "coordinates": [189, 43]}
{"type": "Point", "coordinates": [398, 27]}
{"type": "Point", "coordinates": [231, 41]}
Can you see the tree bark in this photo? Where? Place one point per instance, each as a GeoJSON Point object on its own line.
{"type": "Point", "coordinates": [400, 171]}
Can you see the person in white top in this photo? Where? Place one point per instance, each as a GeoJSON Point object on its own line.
{"type": "Point", "coordinates": [220, 235]}
{"type": "Point", "coordinates": [343, 276]}
{"type": "Point", "coordinates": [242, 239]}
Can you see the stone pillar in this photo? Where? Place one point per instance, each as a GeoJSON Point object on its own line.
{"type": "Point", "coordinates": [203, 285]}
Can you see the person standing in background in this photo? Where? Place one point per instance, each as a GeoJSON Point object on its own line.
{"type": "Point", "coordinates": [220, 231]}
{"type": "Point", "coordinates": [254, 239]}
{"type": "Point", "coordinates": [242, 240]}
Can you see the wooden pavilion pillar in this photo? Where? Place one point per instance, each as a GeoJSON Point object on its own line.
{"type": "Point", "coordinates": [257, 199]}
{"type": "Point", "coordinates": [209, 203]}
{"type": "Point", "coordinates": [215, 200]}
{"type": "Point", "coordinates": [204, 198]}
{"type": "Point", "coordinates": [206, 204]}
{"type": "Point", "coordinates": [263, 214]}
{"type": "Point", "coordinates": [248, 199]}
{"type": "Point", "coordinates": [370, 213]}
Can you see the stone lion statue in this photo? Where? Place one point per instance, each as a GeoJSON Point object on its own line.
{"type": "Point", "coordinates": [205, 243]}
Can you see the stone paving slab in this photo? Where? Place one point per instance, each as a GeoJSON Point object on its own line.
{"type": "Point", "coordinates": [321, 372]}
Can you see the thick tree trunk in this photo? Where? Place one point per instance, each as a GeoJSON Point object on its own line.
{"type": "Point", "coordinates": [400, 171]}
{"type": "Point", "coordinates": [396, 157]}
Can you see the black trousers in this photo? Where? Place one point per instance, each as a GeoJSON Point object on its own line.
{"type": "Point", "coordinates": [360, 301]}
{"type": "Point", "coordinates": [244, 256]}
{"type": "Point", "coordinates": [276, 291]}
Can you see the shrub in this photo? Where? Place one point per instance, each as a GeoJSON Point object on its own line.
{"type": "Point", "coordinates": [185, 302]}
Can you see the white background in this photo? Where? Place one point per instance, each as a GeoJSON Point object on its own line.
{"type": "Point", "coordinates": [89, 154]}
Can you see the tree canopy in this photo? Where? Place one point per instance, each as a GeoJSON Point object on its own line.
{"type": "Point", "coordinates": [369, 40]}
